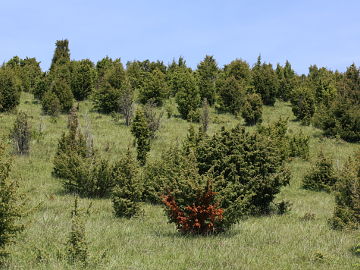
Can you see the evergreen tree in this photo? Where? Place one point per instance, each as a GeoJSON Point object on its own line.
{"type": "Point", "coordinates": [303, 104]}
{"type": "Point", "coordinates": [240, 70]}
{"type": "Point", "coordinates": [252, 109]}
{"type": "Point", "coordinates": [287, 80]}
{"type": "Point", "coordinates": [9, 90]}
{"type": "Point", "coordinates": [154, 88]}
{"type": "Point", "coordinates": [231, 94]}
{"type": "Point", "coordinates": [77, 250]}
{"type": "Point", "coordinates": [83, 78]}
{"type": "Point", "coordinates": [347, 196]}
{"type": "Point", "coordinates": [142, 135]}
{"type": "Point", "coordinates": [11, 207]}
{"type": "Point", "coordinates": [21, 134]}
{"type": "Point", "coordinates": [61, 55]}
{"type": "Point", "coordinates": [50, 103]}
{"type": "Point", "coordinates": [207, 72]}
{"type": "Point", "coordinates": [127, 192]}
{"type": "Point", "coordinates": [63, 92]}
{"type": "Point", "coordinates": [187, 93]}
{"type": "Point", "coordinates": [265, 82]}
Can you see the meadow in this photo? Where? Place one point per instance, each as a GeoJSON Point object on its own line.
{"type": "Point", "coordinates": [300, 239]}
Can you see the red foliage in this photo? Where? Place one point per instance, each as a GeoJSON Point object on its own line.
{"type": "Point", "coordinates": [203, 217]}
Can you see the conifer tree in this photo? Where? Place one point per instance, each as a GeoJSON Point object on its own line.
{"type": "Point", "coordinates": [21, 134]}
{"type": "Point", "coordinates": [303, 104]}
{"type": "Point", "coordinates": [83, 78]}
{"type": "Point", "coordinates": [77, 247]}
{"type": "Point", "coordinates": [127, 192]}
{"type": "Point", "coordinates": [252, 109]}
{"type": "Point", "coordinates": [347, 196]}
{"type": "Point", "coordinates": [231, 94]}
{"type": "Point", "coordinates": [187, 94]}
{"type": "Point", "coordinates": [154, 88]}
{"type": "Point", "coordinates": [11, 207]}
{"type": "Point", "coordinates": [265, 82]}
{"type": "Point", "coordinates": [142, 134]}
{"type": "Point", "coordinates": [61, 55]}
{"type": "Point", "coordinates": [207, 72]}
{"type": "Point", "coordinates": [9, 90]}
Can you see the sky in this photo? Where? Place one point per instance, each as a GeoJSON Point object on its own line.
{"type": "Point", "coordinates": [325, 33]}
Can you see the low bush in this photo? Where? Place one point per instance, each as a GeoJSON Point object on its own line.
{"type": "Point", "coordinates": [21, 134]}
{"type": "Point", "coordinates": [127, 191]}
{"type": "Point", "coordinates": [347, 197]}
{"type": "Point", "coordinates": [321, 176]}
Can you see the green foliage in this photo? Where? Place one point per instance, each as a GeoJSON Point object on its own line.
{"type": "Point", "coordinates": [77, 164]}
{"type": "Point", "coordinates": [265, 82]}
{"type": "Point", "coordinates": [321, 176]}
{"type": "Point", "coordinates": [77, 247]}
{"type": "Point", "coordinates": [287, 80]}
{"type": "Point", "coordinates": [127, 191]}
{"type": "Point", "coordinates": [83, 78]}
{"type": "Point", "coordinates": [207, 72]}
{"type": "Point", "coordinates": [21, 134]}
{"type": "Point", "coordinates": [205, 116]}
{"type": "Point", "coordinates": [63, 92]}
{"type": "Point", "coordinates": [251, 111]}
{"type": "Point", "coordinates": [240, 70]}
{"type": "Point", "coordinates": [303, 104]}
{"type": "Point", "coordinates": [107, 98]}
{"type": "Point", "coordinates": [50, 103]}
{"type": "Point", "coordinates": [299, 145]}
{"type": "Point", "coordinates": [142, 134]}
{"type": "Point", "coordinates": [11, 207]}
{"type": "Point", "coordinates": [61, 55]}
{"type": "Point", "coordinates": [154, 88]}
{"type": "Point", "coordinates": [30, 71]}
{"type": "Point", "coordinates": [347, 196]}
{"type": "Point", "coordinates": [9, 90]}
{"type": "Point", "coordinates": [187, 93]}
{"type": "Point", "coordinates": [231, 94]}
{"type": "Point", "coordinates": [41, 86]}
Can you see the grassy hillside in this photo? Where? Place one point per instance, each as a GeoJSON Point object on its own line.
{"type": "Point", "coordinates": [291, 241]}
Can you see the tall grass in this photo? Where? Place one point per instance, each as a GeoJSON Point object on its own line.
{"type": "Point", "coordinates": [301, 239]}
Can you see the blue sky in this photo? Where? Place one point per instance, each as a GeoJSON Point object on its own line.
{"type": "Point", "coordinates": [326, 33]}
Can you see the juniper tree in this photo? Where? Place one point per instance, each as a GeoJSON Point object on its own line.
{"type": "Point", "coordinates": [21, 134]}
{"type": "Point", "coordinates": [61, 54]}
{"type": "Point", "coordinates": [11, 206]}
{"type": "Point", "coordinates": [83, 78]}
{"type": "Point", "coordinates": [127, 191]}
{"type": "Point", "coordinates": [77, 247]}
{"type": "Point", "coordinates": [231, 94]}
{"type": "Point", "coordinates": [142, 134]}
{"type": "Point", "coordinates": [205, 116]}
{"type": "Point", "coordinates": [347, 196]}
{"type": "Point", "coordinates": [154, 88]}
{"type": "Point", "coordinates": [9, 90]}
{"type": "Point", "coordinates": [251, 110]}
{"type": "Point", "coordinates": [187, 94]}
{"type": "Point", "coordinates": [207, 72]}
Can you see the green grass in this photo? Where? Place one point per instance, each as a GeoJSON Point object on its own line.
{"type": "Point", "coordinates": [148, 241]}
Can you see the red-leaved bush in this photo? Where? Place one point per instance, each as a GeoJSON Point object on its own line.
{"type": "Point", "coordinates": [203, 217]}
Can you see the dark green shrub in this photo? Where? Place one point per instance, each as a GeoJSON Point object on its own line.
{"type": "Point", "coordinates": [347, 197]}
{"type": "Point", "coordinates": [205, 116]}
{"type": "Point", "coordinates": [77, 164]}
{"type": "Point", "coordinates": [63, 92]}
{"type": "Point", "coordinates": [142, 134]}
{"type": "Point", "coordinates": [154, 88]}
{"type": "Point", "coordinates": [9, 90]}
{"type": "Point", "coordinates": [321, 176]}
{"type": "Point", "coordinates": [50, 104]}
{"type": "Point", "coordinates": [299, 145]}
{"type": "Point", "coordinates": [303, 104]}
{"type": "Point", "coordinates": [153, 118]}
{"type": "Point", "coordinates": [83, 78]}
{"type": "Point", "coordinates": [77, 247]}
{"type": "Point", "coordinates": [251, 111]}
{"type": "Point", "coordinates": [11, 207]}
{"type": "Point", "coordinates": [231, 94]}
{"type": "Point", "coordinates": [21, 134]}
{"type": "Point", "coordinates": [265, 82]}
{"type": "Point", "coordinates": [127, 191]}
{"type": "Point", "coordinates": [187, 93]}
{"type": "Point", "coordinates": [107, 98]}
{"type": "Point", "coordinates": [207, 72]}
